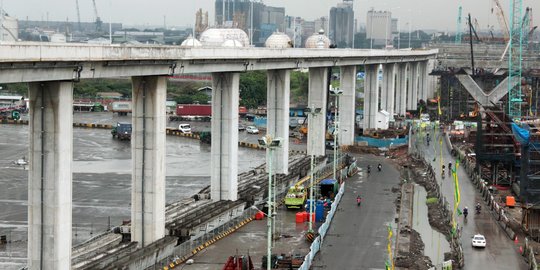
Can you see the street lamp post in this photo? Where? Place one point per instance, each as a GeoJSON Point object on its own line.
{"type": "Point", "coordinates": [313, 112]}
{"type": "Point", "coordinates": [336, 92]}
{"type": "Point", "coordinates": [270, 144]}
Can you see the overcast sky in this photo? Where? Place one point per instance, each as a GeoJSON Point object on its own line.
{"type": "Point", "coordinates": [424, 14]}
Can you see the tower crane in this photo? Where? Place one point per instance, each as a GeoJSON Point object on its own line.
{"type": "Point", "coordinates": [458, 30]}
{"type": "Point", "coordinates": [99, 22]}
{"type": "Point", "coordinates": [515, 59]}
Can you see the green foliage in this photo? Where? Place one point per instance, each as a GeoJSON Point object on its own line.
{"type": "Point", "coordinates": [16, 88]}
{"type": "Point", "coordinates": [253, 89]}
{"type": "Point", "coordinates": [299, 86]}
{"type": "Point", "coordinates": [90, 88]}
{"type": "Point", "coordinates": [431, 200]}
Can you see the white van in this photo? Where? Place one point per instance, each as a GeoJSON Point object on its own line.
{"type": "Point", "coordinates": [185, 128]}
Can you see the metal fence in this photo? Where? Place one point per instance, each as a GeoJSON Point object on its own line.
{"type": "Point", "coordinates": [323, 229]}
{"type": "Point", "coordinates": [191, 247]}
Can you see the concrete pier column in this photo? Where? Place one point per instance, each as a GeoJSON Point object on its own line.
{"type": "Point", "coordinates": [347, 105]}
{"type": "Point", "coordinates": [422, 80]}
{"type": "Point", "coordinates": [224, 162]}
{"type": "Point", "coordinates": [401, 91]}
{"type": "Point", "coordinates": [371, 96]}
{"type": "Point", "coordinates": [318, 88]}
{"type": "Point", "coordinates": [277, 107]}
{"type": "Point", "coordinates": [148, 159]}
{"type": "Point", "coordinates": [49, 175]}
{"type": "Point", "coordinates": [412, 92]}
{"type": "Point", "coordinates": [389, 88]}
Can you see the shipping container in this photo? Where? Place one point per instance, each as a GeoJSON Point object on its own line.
{"type": "Point", "coordinates": [121, 107]}
{"type": "Point", "coordinates": [193, 110]}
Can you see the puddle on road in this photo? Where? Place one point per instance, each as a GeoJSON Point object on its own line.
{"type": "Point", "coordinates": [435, 242]}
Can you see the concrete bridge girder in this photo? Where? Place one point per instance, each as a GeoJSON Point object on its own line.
{"type": "Point", "coordinates": [478, 93]}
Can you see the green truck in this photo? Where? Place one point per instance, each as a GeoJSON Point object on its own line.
{"type": "Point", "coordinates": [296, 197]}
{"type": "Point", "coordinates": [122, 131]}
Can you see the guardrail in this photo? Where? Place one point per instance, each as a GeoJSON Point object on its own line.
{"type": "Point", "coordinates": [316, 245]}
{"type": "Point", "coordinates": [497, 210]}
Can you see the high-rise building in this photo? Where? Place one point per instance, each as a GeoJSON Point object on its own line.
{"type": "Point", "coordinates": [379, 27]}
{"type": "Point", "coordinates": [250, 15]}
{"type": "Point", "coordinates": [342, 24]}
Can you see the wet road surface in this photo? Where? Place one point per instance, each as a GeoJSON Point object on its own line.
{"type": "Point", "coordinates": [501, 252]}
{"type": "Point", "coordinates": [357, 237]}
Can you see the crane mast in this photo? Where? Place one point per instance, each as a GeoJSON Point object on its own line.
{"type": "Point", "coordinates": [514, 59]}
{"type": "Point", "coordinates": [458, 30]}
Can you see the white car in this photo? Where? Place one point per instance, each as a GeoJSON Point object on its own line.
{"type": "Point", "coordinates": [479, 240]}
{"type": "Point", "coordinates": [185, 128]}
{"type": "Point", "coordinates": [252, 130]}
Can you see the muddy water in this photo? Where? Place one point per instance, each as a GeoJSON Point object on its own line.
{"type": "Point", "coordinates": [435, 242]}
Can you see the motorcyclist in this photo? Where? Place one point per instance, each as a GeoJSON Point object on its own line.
{"type": "Point", "coordinates": [358, 200]}
{"type": "Point", "coordinates": [478, 208]}
{"type": "Point", "coordinates": [465, 211]}
{"type": "Point", "coordinates": [368, 169]}
{"type": "Point", "coordinates": [443, 170]}
{"type": "Point", "coordinates": [449, 165]}
{"type": "Point", "coordinates": [379, 167]}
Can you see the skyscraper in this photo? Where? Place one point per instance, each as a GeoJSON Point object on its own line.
{"type": "Point", "coordinates": [342, 24]}
{"type": "Point", "coordinates": [238, 14]}
{"type": "Point", "coordinates": [379, 27]}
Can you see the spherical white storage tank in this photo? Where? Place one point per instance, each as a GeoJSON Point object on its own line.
{"type": "Point", "coordinates": [318, 41]}
{"type": "Point", "coordinates": [232, 43]}
{"type": "Point", "coordinates": [190, 42]}
{"type": "Point", "coordinates": [278, 40]}
{"type": "Point", "coordinates": [215, 37]}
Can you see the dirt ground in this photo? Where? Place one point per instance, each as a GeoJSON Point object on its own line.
{"type": "Point", "coordinates": [414, 259]}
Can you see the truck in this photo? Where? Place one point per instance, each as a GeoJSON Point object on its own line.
{"type": "Point", "coordinates": [122, 131]}
{"type": "Point", "coordinates": [194, 110]}
{"type": "Point", "coordinates": [296, 197]}
{"type": "Point", "coordinates": [121, 107]}
{"type": "Point", "coordinates": [329, 188]}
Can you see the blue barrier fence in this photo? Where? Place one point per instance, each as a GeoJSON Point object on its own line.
{"type": "Point", "coordinates": [383, 142]}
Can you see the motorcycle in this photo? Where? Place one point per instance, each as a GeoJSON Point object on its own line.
{"type": "Point", "coordinates": [478, 208]}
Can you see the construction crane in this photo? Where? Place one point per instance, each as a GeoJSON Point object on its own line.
{"type": "Point", "coordinates": [78, 15]}
{"type": "Point", "coordinates": [503, 23]}
{"type": "Point", "coordinates": [99, 22]}
{"type": "Point", "coordinates": [514, 59]}
{"type": "Point", "coordinates": [458, 30]}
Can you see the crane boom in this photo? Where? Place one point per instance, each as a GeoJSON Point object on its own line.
{"type": "Point", "coordinates": [98, 19]}
{"type": "Point", "coordinates": [78, 15]}
{"type": "Point", "coordinates": [515, 61]}
{"type": "Point", "coordinates": [503, 23]}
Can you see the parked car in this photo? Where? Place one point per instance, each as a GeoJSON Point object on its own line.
{"type": "Point", "coordinates": [241, 127]}
{"type": "Point", "coordinates": [252, 130]}
{"type": "Point", "coordinates": [479, 240]}
{"type": "Point", "coordinates": [122, 131]}
{"type": "Point", "coordinates": [329, 144]}
{"type": "Point", "coordinates": [185, 128]}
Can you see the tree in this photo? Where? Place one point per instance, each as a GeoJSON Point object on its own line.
{"type": "Point", "coordinates": [253, 89]}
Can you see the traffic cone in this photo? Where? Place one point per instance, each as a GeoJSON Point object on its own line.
{"type": "Point", "coordinates": [516, 240]}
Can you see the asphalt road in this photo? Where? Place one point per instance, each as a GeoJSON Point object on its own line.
{"type": "Point", "coordinates": [501, 252]}
{"type": "Point", "coordinates": [357, 238]}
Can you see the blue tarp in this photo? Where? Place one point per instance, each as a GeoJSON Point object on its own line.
{"type": "Point", "coordinates": [521, 134]}
{"type": "Point", "coordinates": [380, 143]}
{"type": "Point", "coordinates": [328, 181]}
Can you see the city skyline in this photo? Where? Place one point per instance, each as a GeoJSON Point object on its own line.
{"type": "Point", "coordinates": [420, 13]}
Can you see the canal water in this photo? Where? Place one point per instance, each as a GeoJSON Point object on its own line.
{"type": "Point", "coordinates": [435, 243]}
